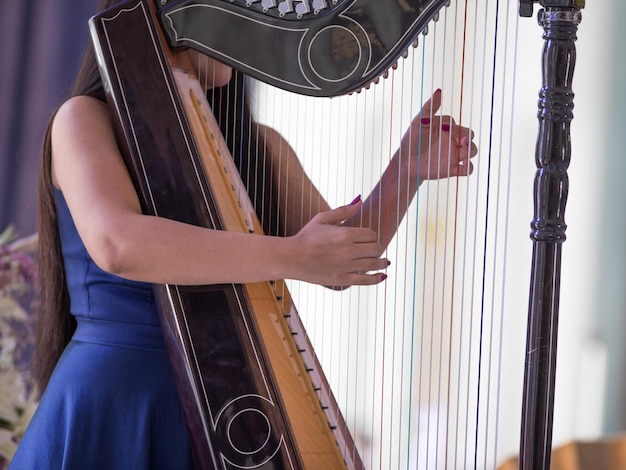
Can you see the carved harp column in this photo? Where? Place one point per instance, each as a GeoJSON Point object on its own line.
{"type": "Point", "coordinates": [559, 19]}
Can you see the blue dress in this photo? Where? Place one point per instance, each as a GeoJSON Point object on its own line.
{"type": "Point", "coordinates": [111, 402]}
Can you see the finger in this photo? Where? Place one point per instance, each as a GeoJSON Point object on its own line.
{"type": "Point", "coordinates": [431, 107]}
{"type": "Point", "coordinates": [468, 147]}
{"type": "Point", "coordinates": [463, 134]}
{"type": "Point", "coordinates": [369, 265]}
{"type": "Point", "coordinates": [449, 125]}
{"type": "Point", "coordinates": [340, 214]}
{"type": "Point", "coordinates": [358, 279]}
{"type": "Point", "coordinates": [464, 168]}
{"type": "Point", "coordinates": [473, 150]}
{"type": "Point", "coordinates": [369, 250]}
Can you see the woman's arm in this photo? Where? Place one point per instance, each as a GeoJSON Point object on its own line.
{"type": "Point", "coordinates": [433, 147]}
{"type": "Point", "coordinates": [298, 198]}
{"type": "Point", "coordinates": [88, 168]}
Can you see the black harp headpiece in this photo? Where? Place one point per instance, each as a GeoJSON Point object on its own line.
{"type": "Point", "coordinates": [310, 47]}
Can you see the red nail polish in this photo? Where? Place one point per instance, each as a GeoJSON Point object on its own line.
{"type": "Point", "coordinates": [356, 200]}
{"type": "Point", "coordinates": [383, 277]}
{"type": "Point", "coordinates": [445, 127]}
{"type": "Point", "coordinates": [425, 121]}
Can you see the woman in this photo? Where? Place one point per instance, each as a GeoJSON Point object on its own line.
{"type": "Point", "coordinates": [108, 395]}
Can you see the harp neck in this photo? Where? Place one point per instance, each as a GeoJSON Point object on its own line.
{"type": "Point", "coordinates": [317, 48]}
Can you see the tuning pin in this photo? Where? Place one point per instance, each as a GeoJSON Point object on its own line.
{"type": "Point", "coordinates": [267, 4]}
{"type": "Point", "coordinates": [319, 5]}
{"type": "Point", "coordinates": [303, 8]}
{"type": "Point", "coordinates": [284, 7]}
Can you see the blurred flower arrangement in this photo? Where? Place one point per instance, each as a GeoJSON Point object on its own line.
{"type": "Point", "coordinates": [18, 287]}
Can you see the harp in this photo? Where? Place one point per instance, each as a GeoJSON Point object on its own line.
{"type": "Point", "coordinates": [254, 393]}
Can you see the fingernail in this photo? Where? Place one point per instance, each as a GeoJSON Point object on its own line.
{"type": "Point", "coordinates": [438, 90]}
{"type": "Point", "coordinates": [388, 263]}
{"type": "Point", "coordinates": [356, 200]}
{"type": "Point", "coordinates": [383, 277]}
{"type": "Point", "coordinates": [445, 127]}
{"type": "Point", "coordinates": [425, 121]}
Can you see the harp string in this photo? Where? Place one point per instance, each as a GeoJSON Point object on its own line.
{"type": "Point", "coordinates": [505, 238]}
{"type": "Point", "coordinates": [438, 268]}
{"type": "Point", "coordinates": [449, 399]}
{"type": "Point", "coordinates": [500, 231]}
{"type": "Point", "coordinates": [413, 270]}
{"type": "Point", "coordinates": [484, 293]}
{"type": "Point", "coordinates": [467, 278]}
{"type": "Point", "coordinates": [402, 267]}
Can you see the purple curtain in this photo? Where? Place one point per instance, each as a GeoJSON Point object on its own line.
{"type": "Point", "coordinates": [41, 43]}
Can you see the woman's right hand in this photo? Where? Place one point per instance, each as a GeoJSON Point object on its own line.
{"type": "Point", "coordinates": [332, 254]}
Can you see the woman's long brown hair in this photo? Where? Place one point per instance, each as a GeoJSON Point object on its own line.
{"type": "Point", "coordinates": [55, 325]}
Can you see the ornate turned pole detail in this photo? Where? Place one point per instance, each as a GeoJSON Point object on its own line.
{"type": "Point", "coordinates": [560, 20]}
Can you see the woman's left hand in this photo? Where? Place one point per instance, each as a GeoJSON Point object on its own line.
{"type": "Point", "coordinates": [436, 145]}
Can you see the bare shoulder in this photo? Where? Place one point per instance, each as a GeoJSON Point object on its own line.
{"type": "Point", "coordinates": [81, 119]}
{"type": "Point", "coordinates": [82, 134]}
{"type": "Point", "coordinates": [81, 109]}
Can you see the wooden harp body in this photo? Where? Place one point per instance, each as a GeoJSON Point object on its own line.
{"type": "Point", "coordinates": [253, 391]}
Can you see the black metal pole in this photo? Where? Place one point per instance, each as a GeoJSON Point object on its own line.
{"type": "Point", "coordinates": [559, 19]}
